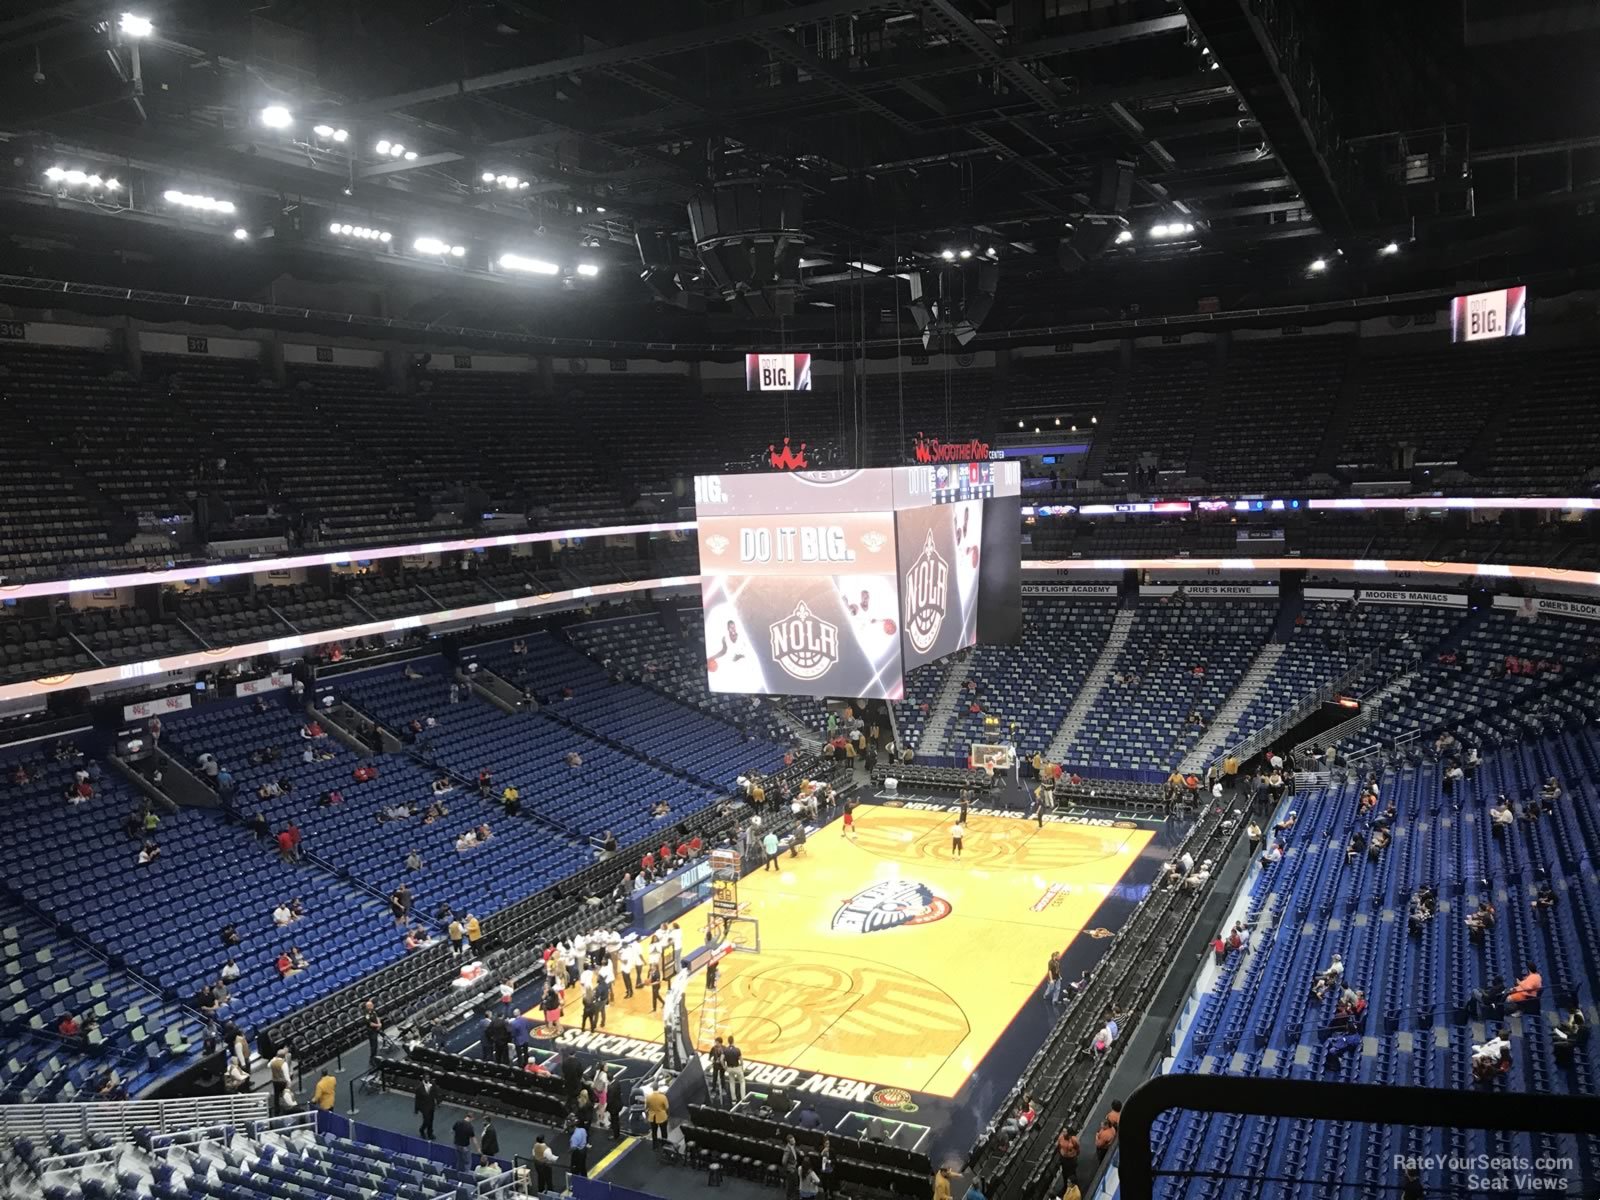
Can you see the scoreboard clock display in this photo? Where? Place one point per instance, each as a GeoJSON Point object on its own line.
{"type": "Point", "coordinates": [777, 372]}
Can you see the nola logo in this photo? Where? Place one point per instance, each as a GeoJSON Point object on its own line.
{"type": "Point", "coordinates": [803, 644]}
{"type": "Point", "coordinates": [932, 450]}
{"type": "Point", "coordinates": [924, 601]}
{"type": "Point", "coordinates": [889, 905]}
{"type": "Point", "coordinates": [718, 544]}
{"type": "Point", "coordinates": [787, 459]}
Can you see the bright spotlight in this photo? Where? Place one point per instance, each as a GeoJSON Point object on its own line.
{"type": "Point", "coordinates": [75, 177]}
{"type": "Point", "coordinates": [487, 177]}
{"type": "Point", "coordinates": [534, 266]}
{"type": "Point", "coordinates": [241, 235]}
{"type": "Point", "coordinates": [436, 247]}
{"type": "Point", "coordinates": [396, 150]}
{"type": "Point", "coordinates": [341, 135]}
{"type": "Point", "coordinates": [947, 255]}
{"type": "Point", "coordinates": [411, 156]}
{"type": "Point", "coordinates": [384, 146]}
{"type": "Point", "coordinates": [95, 181]}
{"type": "Point", "coordinates": [55, 174]}
{"type": "Point", "coordinates": [1158, 231]}
{"type": "Point", "coordinates": [588, 269]}
{"type": "Point", "coordinates": [1319, 264]}
{"type": "Point", "coordinates": [209, 204]}
{"type": "Point", "coordinates": [334, 227]}
{"type": "Point", "coordinates": [1390, 248]}
{"type": "Point", "coordinates": [1124, 237]}
{"type": "Point", "coordinates": [965, 253]}
{"type": "Point", "coordinates": [322, 131]}
{"type": "Point", "coordinates": [113, 184]}
{"type": "Point", "coordinates": [135, 26]}
{"type": "Point", "coordinates": [384, 237]}
{"type": "Point", "coordinates": [347, 230]}
{"type": "Point", "coordinates": [599, 208]}
{"type": "Point", "coordinates": [511, 181]}
{"type": "Point", "coordinates": [276, 116]}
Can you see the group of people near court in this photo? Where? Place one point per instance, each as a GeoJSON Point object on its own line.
{"type": "Point", "coordinates": [598, 962]}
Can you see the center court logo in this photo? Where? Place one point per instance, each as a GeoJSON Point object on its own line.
{"type": "Point", "coordinates": [924, 603]}
{"type": "Point", "coordinates": [889, 905]}
{"type": "Point", "coordinates": [803, 644]}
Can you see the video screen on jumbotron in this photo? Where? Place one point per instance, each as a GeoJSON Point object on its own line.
{"type": "Point", "coordinates": [834, 583]}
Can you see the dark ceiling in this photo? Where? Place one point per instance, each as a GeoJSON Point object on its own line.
{"type": "Point", "coordinates": [910, 127]}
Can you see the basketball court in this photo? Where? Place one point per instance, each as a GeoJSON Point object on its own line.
{"type": "Point", "coordinates": [882, 958]}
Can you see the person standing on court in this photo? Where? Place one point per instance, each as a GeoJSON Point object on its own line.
{"type": "Point", "coordinates": [465, 1137]}
{"type": "Point", "coordinates": [373, 1022]}
{"type": "Point", "coordinates": [958, 831]}
{"type": "Point", "coordinates": [769, 844]}
{"type": "Point", "coordinates": [655, 983]}
{"type": "Point", "coordinates": [424, 1104]}
{"type": "Point", "coordinates": [578, 1163]}
{"type": "Point", "coordinates": [544, 1163]}
{"type": "Point", "coordinates": [655, 1111]}
{"type": "Point", "coordinates": [1052, 978]}
{"type": "Point", "coordinates": [734, 1057]}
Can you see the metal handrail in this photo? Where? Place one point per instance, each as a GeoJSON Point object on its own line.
{"type": "Point", "coordinates": [119, 1120]}
{"type": "Point", "coordinates": [1307, 705]}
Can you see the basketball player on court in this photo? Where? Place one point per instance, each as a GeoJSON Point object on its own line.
{"type": "Point", "coordinates": [958, 831]}
{"type": "Point", "coordinates": [849, 830]}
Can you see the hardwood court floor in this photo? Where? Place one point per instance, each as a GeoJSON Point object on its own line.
{"type": "Point", "coordinates": [912, 984]}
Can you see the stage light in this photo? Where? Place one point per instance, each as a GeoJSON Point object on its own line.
{"type": "Point", "coordinates": [396, 150]}
{"type": "Point", "coordinates": [241, 235]}
{"type": "Point", "coordinates": [965, 253]}
{"type": "Point", "coordinates": [1319, 265]}
{"type": "Point", "coordinates": [384, 146]}
{"type": "Point", "coordinates": [1158, 231]}
{"type": "Point", "coordinates": [135, 26]}
{"type": "Point", "coordinates": [113, 184]}
{"type": "Point", "coordinates": [1215, 64]}
{"type": "Point", "coordinates": [322, 131]}
{"type": "Point", "coordinates": [55, 174]}
{"type": "Point", "coordinates": [1019, 424]}
{"type": "Point", "coordinates": [276, 116]}
{"type": "Point", "coordinates": [1390, 248]}
{"type": "Point", "coordinates": [599, 208]}
{"type": "Point", "coordinates": [1124, 237]}
{"type": "Point", "coordinates": [333, 227]}
{"type": "Point", "coordinates": [588, 269]}
{"type": "Point", "coordinates": [436, 247]}
{"type": "Point", "coordinates": [487, 177]}
{"type": "Point", "coordinates": [411, 156]}
{"type": "Point", "coordinates": [76, 177]}
{"type": "Point", "coordinates": [1094, 420]}
{"type": "Point", "coordinates": [341, 135]}
{"type": "Point", "coordinates": [1058, 422]}
{"type": "Point", "coordinates": [95, 181]}
{"type": "Point", "coordinates": [991, 252]}
{"type": "Point", "coordinates": [534, 266]}
{"type": "Point", "coordinates": [948, 255]}
{"type": "Point", "coordinates": [385, 237]}
{"type": "Point", "coordinates": [511, 182]}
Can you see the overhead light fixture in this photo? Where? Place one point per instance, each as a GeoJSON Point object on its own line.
{"type": "Point", "coordinates": [1058, 422]}
{"type": "Point", "coordinates": [534, 266]}
{"type": "Point", "coordinates": [599, 208]}
{"type": "Point", "coordinates": [1124, 237]}
{"type": "Point", "coordinates": [241, 235]}
{"type": "Point", "coordinates": [1390, 248]}
{"type": "Point", "coordinates": [384, 146]}
{"type": "Point", "coordinates": [135, 26]}
{"type": "Point", "coordinates": [411, 156]}
{"type": "Point", "coordinates": [322, 131]}
{"type": "Point", "coordinates": [588, 269]}
{"type": "Point", "coordinates": [73, 177]}
{"type": "Point", "coordinates": [276, 116]}
{"type": "Point", "coordinates": [948, 255]}
{"type": "Point", "coordinates": [209, 204]}
{"type": "Point", "coordinates": [965, 253]}
{"type": "Point", "coordinates": [437, 248]}
{"type": "Point", "coordinates": [396, 150]}
{"type": "Point", "coordinates": [869, 268]}
{"type": "Point", "coordinates": [1319, 265]}
{"type": "Point", "coordinates": [363, 233]}
{"type": "Point", "coordinates": [991, 252]}
{"type": "Point", "coordinates": [487, 177]}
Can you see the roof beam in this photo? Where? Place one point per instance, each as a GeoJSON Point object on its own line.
{"type": "Point", "coordinates": [962, 27]}
{"type": "Point", "coordinates": [795, 55]}
{"type": "Point", "coordinates": [634, 52]}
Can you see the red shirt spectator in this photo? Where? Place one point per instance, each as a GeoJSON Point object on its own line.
{"type": "Point", "coordinates": [695, 844]}
{"type": "Point", "coordinates": [683, 849]}
{"type": "Point", "coordinates": [286, 842]}
{"type": "Point", "coordinates": [85, 789]}
{"type": "Point", "coordinates": [68, 1026]}
{"type": "Point", "coordinates": [648, 862]}
{"type": "Point", "coordinates": [664, 853]}
{"type": "Point", "coordinates": [284, 965]}
{"type": "Point", "coordinates": [292, 832]}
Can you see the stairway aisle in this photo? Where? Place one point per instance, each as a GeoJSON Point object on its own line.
{"type": "Point", "coordinates": [1219, 732]}
{"type": "Point", "coordinates": [943, 709]}
{"type": "Point", "coordinates": [1093, 684]}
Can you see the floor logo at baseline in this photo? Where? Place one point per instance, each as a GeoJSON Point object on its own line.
{"type": "Point", "coordinates": [889, 905]}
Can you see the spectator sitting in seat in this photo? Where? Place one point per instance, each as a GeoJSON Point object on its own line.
{"type": "Point", "coordinates": [485, 781]}
{"type": "Point", "coordinates": [660, 808]}
{"type": "Point", "coordinates": [1482, 918]}
{"type": "Point", "coordinates": [1420, 910]}
{"type": "Point", "coordinates": [1492, 1058]}
{"type": "Point", "coordinates": [442, 784]}
{"type": "Point", "coordinates": [230, 935]}
{"type": "Point", "coordinates": [149, 852]}
{"type": "Point", "coordinates": [1334, 973]}
{"type": "Point", "coordinates": [365, 773]}
{"type": "Point", "coordinates": [1551, 792]}
{"type": "Point", "coordinates": [1380, 841]}
{"type": "Point", "coordinates": [467, 841]}
{"type": "Point", "coordinates": [1569, 1032]}
{"type": "Point", "coordinates": [410, 672]}
{"type": "Point", "coordinates": [312, 729]}
{"type": "Point", "coordinates": [1528, 987]}
{"type": "Point", "coordinates": [1357, 844]}
{"type": "Point", "coordinates": [519, 647]}
{"type": "Point", "coordinates": [68, 1026]}
{"type": "Point", "coordinates": [1500, 816]}
{"type": "Point", "coordinates": [1545, 897]}
{"type": "Point", "coordinates": [1274, 854]}
{"type": "Point", "coordinates": [1196, 880]}
{"type": "Point", "coordinates": [281, 915]}
{"type": "Point", "coordinates": [484, 833]}
{"type": "Point", "coordinates": [1285, 825]}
